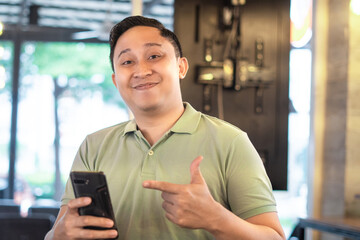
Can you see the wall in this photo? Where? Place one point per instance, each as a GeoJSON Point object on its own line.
{"type": "Point", "coordinates": [352, 169]}
{"type": "Point", "coordinates": [334, 163]}
{"type": "Point", "coordinates": [197, 20]}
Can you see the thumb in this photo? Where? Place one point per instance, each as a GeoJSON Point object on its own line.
{"type": "Point", "coordinates": [196, 176]}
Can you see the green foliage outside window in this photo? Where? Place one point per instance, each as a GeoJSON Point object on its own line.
{"type": "Point", "coordinates": [78, 70]}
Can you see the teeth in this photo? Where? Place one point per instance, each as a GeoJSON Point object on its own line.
{"type": "Point", "coordinates": [145, 85]}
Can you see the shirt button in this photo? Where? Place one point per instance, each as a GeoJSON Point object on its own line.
{"type": "Point", "coordinates": [151, 152]}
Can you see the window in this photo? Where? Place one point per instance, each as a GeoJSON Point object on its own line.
{"type": "Point", "coordinates": [6, 55]}
{"type": "Point", "coordinates": [299, 116]}
{"type": "Point", "coordinates": [65, 93]}
{"type": "Point", "coordinates": [65, 89]}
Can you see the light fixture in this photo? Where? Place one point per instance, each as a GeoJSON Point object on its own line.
{"type": "Point", "coordinates": [355, 6]}
{"type": "Point", "coordinates": [1, 28]}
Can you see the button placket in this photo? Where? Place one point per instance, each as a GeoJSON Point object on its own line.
{"type": "Point", "coordinates": [149, 165]}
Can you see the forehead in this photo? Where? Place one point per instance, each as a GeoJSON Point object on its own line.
{"type": "Point", "coordinates": [140, 35]}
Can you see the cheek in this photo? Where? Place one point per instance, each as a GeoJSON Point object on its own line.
{"type": "Point", "coordinates": [170, 70]}
{"type": "Point", "coordinates": [121, 77]}
{"type": "Point", "coordinates": [124, 94]}
{"type": "Point", "coordinates": [121, 87]}
{"type": "Point", "coordinates": [120, 84]}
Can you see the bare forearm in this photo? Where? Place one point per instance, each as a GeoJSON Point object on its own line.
{"type": "Point", "coordinates": [228, 226]}
{"type": "Point", "coordinates": [49, 235]}
{"type": "Point", "coordinates": [245, 231]}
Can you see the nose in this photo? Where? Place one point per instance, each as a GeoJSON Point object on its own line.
{"type": "Point", "coordinates": [143, 69]}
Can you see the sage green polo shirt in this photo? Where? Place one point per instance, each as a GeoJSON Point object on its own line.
{"type": "Point", "coordinates": [231, 167]}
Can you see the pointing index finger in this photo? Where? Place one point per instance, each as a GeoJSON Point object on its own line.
{"type": "Point", "coordinates": [161, 186]}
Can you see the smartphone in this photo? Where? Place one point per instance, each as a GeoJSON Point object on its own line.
{"type": "Point", "coordinates": [94, 185]}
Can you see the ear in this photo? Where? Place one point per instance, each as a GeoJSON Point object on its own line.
{"type": "Point", "coordinates": [183, 67]}
{"type": "Point", "coordinates": [114, 79]}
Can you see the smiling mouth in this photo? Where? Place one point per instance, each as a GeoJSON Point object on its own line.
{"type": "Point", "coordinates": [145, 86]}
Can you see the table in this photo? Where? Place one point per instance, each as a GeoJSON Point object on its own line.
{"type": "Point", "coordinates": [346, 227]}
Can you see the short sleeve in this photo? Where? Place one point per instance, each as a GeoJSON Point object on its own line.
{"type": "Point", "coordinates": [248, 186]}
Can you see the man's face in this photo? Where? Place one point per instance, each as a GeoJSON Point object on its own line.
{"type": "Point", "coordinates": [146, 70]}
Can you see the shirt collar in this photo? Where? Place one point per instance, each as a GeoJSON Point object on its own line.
{"type": "Point", "coordinates": [187, 123]}
{"type": "Point", "coordinates": [130, 127]}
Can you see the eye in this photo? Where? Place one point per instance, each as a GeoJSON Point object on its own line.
{"type": "Point", "coordinates": [126, 62]}
{"type": "Point", "coordinates": [154, 56]}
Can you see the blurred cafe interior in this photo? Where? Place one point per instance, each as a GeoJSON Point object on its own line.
{"type": "Point", "coordinates": [287, 72]}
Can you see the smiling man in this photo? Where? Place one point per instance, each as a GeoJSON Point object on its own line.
{"type": "Point", "coordinates": [152, 163]}
{"type": "Point", "coordinates": [146, 73]}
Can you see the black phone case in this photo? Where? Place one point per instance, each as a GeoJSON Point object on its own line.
{"type": "Point", "coordinates": [94, 185]}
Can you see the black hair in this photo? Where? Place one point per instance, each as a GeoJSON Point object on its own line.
{"type": "Point", "coordinates": [134, 21]}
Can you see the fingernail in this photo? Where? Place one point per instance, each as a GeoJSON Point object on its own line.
{"type": "Point", "coordinates": [146, 184]}
{"type": "Point", "coordinates": [109, 223]}
{"type": "Point", "coordinates": [114, 233]}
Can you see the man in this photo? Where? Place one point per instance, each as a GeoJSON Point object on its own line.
{"type": "Point", "coordinates": [152, 163]}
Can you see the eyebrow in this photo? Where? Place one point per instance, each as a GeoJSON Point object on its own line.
{"type": "Point", "coordinates": [152, 44]}
{"type": "Point", "coordinates": [146, 45]}
{"type": "Point", "coordinates": [124, 51]}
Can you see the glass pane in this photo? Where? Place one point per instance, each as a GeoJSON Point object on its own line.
{"type": "Point", "coordinates": [298, 141]}
{"type": "Point", "coordinates": [299, 116]}
{"type": "Point", "coordinates": [300, 23]}
{"type": "Point", "coordinates": [66, 92]}
{"type": "Point", "coordinates": [6, 55]}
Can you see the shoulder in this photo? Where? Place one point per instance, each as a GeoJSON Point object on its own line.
{"type": "Point", "coordinates": [200, 121]}
{"type": "Point", "coordinates": [208, 127]}
{"type": "Point", "coordinates": [220, 127]}
{"type": "Point", "coordinates": [115, 131]}
{"type": "Point", "coordinates": [100, 142]}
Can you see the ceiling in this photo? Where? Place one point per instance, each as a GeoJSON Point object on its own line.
{"type": "Point", "coordinates": [80, 14]}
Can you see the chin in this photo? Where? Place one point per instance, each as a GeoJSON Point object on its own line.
{"type": "Point", "coordinates": [148, 107]}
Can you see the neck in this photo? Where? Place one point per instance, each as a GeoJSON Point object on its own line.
{"type": "Point", "coordinates": [154, 125]}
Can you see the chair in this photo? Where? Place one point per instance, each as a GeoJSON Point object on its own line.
{"type": "Point", "coordinates": [8, 206]}
{"type": "Point", "coordinates": [39, 209]}
{"type": "Point", "coordinates": [47, 206]}
{"type": "Point", "coordinates": [298, 233]}
{"type": "Point", "coordinates": [34, 227]}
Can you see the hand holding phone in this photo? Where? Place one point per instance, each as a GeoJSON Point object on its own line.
{"type": "Point", "coordinates": [93, 185]}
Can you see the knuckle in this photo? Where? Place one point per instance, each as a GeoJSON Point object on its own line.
{"type": "Point", "coordinates": [85, 221]}
{"type": "Point", "coordinates": [179, 213]}
{"type": "Point", "coordinates": [187, 191]}
{"type": "Point", "coordinates": [67, 224]}
{"type": "Point", "coordinates": [90, 234]}
{"type": "Point", "coordinates": [70, 203]}
{"type": "Point", "coordinates": [86, 234]}
{"type": "Point", "coordinates": [70, 234]}
{"type": "Point", "coordinates": [82, 234]}
{"type": "Point", "coordinates": [182, 203]}
{"type": "Point", "coordinates": [163, 195]}
{"type": "Point", "coordinates": [181, 222]}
